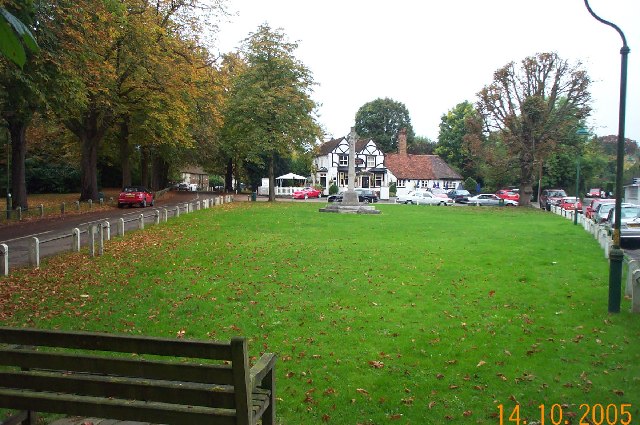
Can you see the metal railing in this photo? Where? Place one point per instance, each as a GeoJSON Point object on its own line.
{"type": "Point", "coordinates": [95, 234]}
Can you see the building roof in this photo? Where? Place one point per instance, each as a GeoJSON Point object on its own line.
{"type": "Point", "coordinates": [328, 147]}
{"type": "Point", "coordinates": [419, 167]}
{"type": "Point", "coordinates": [193, 169]}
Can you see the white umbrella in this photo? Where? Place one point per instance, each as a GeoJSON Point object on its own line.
{"type": "Point", "coordinates": [291, 176]}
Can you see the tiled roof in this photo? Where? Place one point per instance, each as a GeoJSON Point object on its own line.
{"type": "Point", "coordinates": [419, 167]}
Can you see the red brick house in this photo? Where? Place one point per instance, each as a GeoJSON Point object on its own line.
{"type": "Point", "coordinates": [411, 172]}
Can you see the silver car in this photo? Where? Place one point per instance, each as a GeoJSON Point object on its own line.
{"type": "Point", "coordinates": [629, 221]}
{"type": "Point", "coordinates": [428, 198]}
{"type": "Point", "coordinates": [489, 199]}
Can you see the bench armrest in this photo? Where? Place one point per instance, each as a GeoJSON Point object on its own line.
{"type": "Point", "coordinates": [261, 369]}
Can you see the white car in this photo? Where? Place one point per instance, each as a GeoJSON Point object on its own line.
{"type": "Point", "coordinates": [489, 199]}
{"type": "Point", "coordinates": [428, 198]}
{"type": "Point", "coordinates": [404, 199]}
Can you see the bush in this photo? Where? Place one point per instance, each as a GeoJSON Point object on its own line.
{"type": "Point", "coordinates": [470, 184]}
{"type": "Point", "coordinates": [333, 189]}
{"type": "Point", "coordinates": [393, 189]}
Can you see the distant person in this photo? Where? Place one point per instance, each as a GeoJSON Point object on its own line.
{"type": "Point", "coordinates": [603, 194]}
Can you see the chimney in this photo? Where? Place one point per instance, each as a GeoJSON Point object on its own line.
{"type": "Point", "coordinates": [402, 142]}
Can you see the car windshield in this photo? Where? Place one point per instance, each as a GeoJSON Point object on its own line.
{"type": "Point", "coordinates": [630, 212]}
{"type": "Point", "coordinates": [557, 193]}
{"type": "Point", "coordinates": [133, 189]}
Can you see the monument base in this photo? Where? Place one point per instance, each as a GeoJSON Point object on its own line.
{"type": "Point", "coordinates": [341, 208]}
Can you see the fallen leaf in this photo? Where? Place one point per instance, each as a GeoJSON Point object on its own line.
{"type": "Point", "coordinates": [481, 363]}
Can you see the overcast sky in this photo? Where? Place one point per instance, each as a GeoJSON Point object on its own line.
{"type": "Point", "coordinates": [432, 55]}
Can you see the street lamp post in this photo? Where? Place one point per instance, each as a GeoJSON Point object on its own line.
{"type": "Point", "coordinates": [615, 254]}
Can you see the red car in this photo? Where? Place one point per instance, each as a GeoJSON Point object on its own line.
{"type": "Point", "coordinates": [590, 211]}
{"type": "Point", "coordinates": [570, 204]}
{"type": "Point", "coordinates": [508, 194]}
{"type": "Point", "coordinates": [135, 195]}
{"type": "Point", "coordinates": [306, 192]}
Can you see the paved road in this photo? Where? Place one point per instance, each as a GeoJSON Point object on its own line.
{"type": "Point", "coordinates": [54, 233]}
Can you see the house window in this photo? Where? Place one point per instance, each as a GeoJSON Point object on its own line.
{"type": "Point", "coordinates": [423, 184]}
{"type": "Point", "coordinates": [343, 179]}
{"type": "Point", "coordinates": [400, 183]}
{"type": "Point", "coordinates": [343, 160]}
{"type": "Point", "coordinates": [371, 161]}
{"type": "Point", "coordinates": [378, 180]}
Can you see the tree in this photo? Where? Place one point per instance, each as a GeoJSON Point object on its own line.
{"type": "Point", "coordinates": [15, 36]}
{"type": "Point", "coordinates": [270, 112]}
{"type": "Point", "coordinates": [451, 145]}
{"type": "Point", "coordinates": [533, 107]}
{"type": "Point", "coordinates": [381, 120]}
{"type": "Point", "coordinates": [421, 146]}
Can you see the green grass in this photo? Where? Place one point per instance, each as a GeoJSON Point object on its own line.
{"type": "Point", "coordinates": [418, 315]}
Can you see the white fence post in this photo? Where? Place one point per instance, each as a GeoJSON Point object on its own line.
{"type": "Point", "coordinates": [75, 240]}
{"type": "Point", "coordinates": [107, 226]}
{"type": "Point", "coordinates": [4, 259]}
{"type": "Point", "coordinates": [120, 231]}
{"type": "Point", "coordinates": [165, 215]}
{"type": "Point", "coordinates": [141, 222]}
{"type": "Point", "coordinates": [157, 216]}
{"type": "Point", "coordinates": [34, 252]}
{"type": "Point", "coordinates": [178, 211]}
{"type": "Point", "coordinates": [91, 230]}
{"type": "Point", "coordinates": [100, 229]}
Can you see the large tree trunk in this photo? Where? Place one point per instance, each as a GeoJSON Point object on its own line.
{"type": "Point", "coordinates": [526, 179]}
{"type": "Point", "coordinates": [145, 161]}
{"type": "Point", "coordinates": [272, 180]}
{"type": "Point", "coordinates": [228, 177]}
{"type": "Point", "coordinates": [89, 165]}
{"type": "Point", "coordinates": [90, 130]}
{"type": "Point", "coordinates": [125, 152]}
{"type": "Point", "coordinates": [159, 172]}
{"type": "Point", "coordinates": [17, 131]}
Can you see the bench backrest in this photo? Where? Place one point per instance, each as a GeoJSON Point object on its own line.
{"type": "Point", "coordinates": [210, 380]}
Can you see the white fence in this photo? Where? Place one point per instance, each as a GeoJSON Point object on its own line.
{"type": "Point", "coordinates": [97, 233]}
{"type": "Point", "coordinates": [601, 234]}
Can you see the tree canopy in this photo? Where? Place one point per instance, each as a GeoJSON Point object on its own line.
{"type": "Point", "coordinates": [381, 120]}
{"type": "Point", "coordinates": [270, 113]}
{"type": "Point", "coordinates": [534, 107]}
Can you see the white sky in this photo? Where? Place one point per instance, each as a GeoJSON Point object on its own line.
{"type": "Point", "coordinates": [432, 55]}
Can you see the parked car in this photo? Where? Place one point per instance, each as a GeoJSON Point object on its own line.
{"type": "Point", "coordinates": [403, 199]}
{"type": "Point", "coordinates": [590, 210]}
{"type": "Point", "coordinates": [305, 193]}
{"type": "Point", "coordinates": [135, 195]}
{"type": "Point", "coordinates": [571, 203]}
{"type": "Point", "coordinates": [489, 199]}
{"type": "Point", "coordinates": [367, 196]}
{"type": "Point", "coordinates": [440, 193]}
{"type": "Point", "coordinates": [602, 212]}
{"type": "Point", "coordinates": [550, 197]}
{"type": "Point", "coordinates": [629, 221]}
{"type": "Point", "coordinates": [593, 193]}
{"type": "Point", "coordinates": [508, 194]}
{"type": "Point", "coordinates": [429, 198]}
{"type": "Point", "coordinates": [183, 186]}
{"type": "Point", "coordinates": [458, 195]}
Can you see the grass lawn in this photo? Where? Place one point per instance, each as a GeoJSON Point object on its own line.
{"type": "Point", "coordinates": [420, 315]}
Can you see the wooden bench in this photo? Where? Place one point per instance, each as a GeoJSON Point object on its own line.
{"type": "Point", "coordinates": [158, 380]}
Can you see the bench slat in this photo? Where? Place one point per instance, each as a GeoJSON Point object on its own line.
{"type": "Point", "coordinates": [170, 371]}
{"type": "Point", "coordinates": [125, 388]}
{"type": "Point", "coordinates": [169, 414]}
{"type": "Point", "coordinates": [117, 343]}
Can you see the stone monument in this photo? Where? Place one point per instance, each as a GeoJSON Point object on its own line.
{"type": "Point", "coordinates": [350, 202]}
